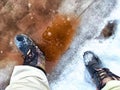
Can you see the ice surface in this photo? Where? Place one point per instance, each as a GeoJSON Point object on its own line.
{"type": "Point", "coordinates": [71, 73]}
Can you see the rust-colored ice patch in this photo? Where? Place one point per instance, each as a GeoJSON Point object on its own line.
{"type": "Point", "coordinates": [56, 39]}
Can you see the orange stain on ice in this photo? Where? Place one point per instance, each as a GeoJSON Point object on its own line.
{"type": "Point", "coordinates": [56, 39]}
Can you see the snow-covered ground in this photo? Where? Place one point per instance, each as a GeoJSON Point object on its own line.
{"type": "Point", "coordinates": [70, 73]}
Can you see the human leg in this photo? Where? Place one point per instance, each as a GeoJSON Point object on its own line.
{"type": "Point", "coordinates": [28, 78]}
{"type": "Point", "coordinates": [31, 75]}
{"type": "Point", "coordinates": [112, 85]}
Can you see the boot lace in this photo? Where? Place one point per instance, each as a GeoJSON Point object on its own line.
{"type": "Point", "coordinates": [105, 73]}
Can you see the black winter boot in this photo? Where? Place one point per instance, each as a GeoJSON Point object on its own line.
{"type": "Point", "coordinates": [96, 70]}
{"type": "Point", "coordinates": [33, 56]}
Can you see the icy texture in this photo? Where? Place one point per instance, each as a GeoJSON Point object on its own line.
{"type": "Point", "coordinates": [71, 73]}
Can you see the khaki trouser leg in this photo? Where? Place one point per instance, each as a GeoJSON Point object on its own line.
{"type": "Point", "coordinates": [28, 78]}
{"type": "Point", "coordinates": [112, 85]}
